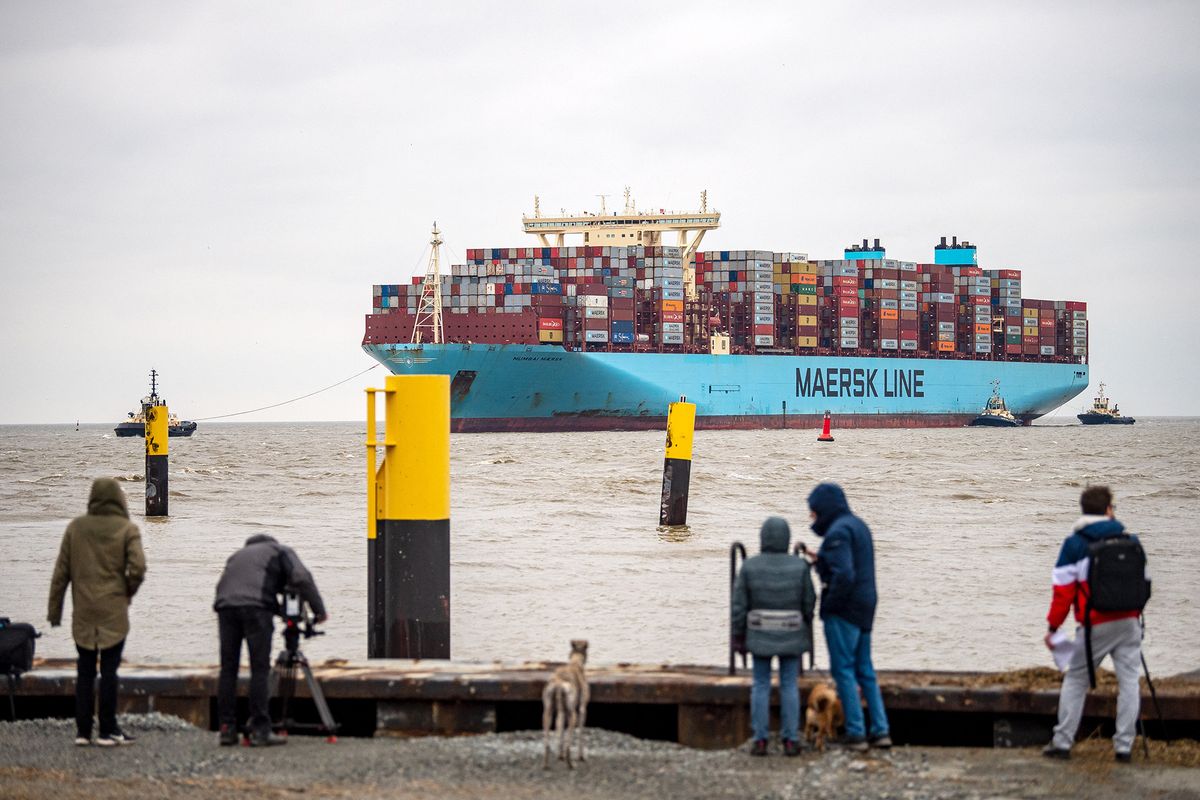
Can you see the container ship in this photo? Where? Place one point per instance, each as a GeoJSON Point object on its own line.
{"type": "Point", "coordinates": [604, 334]}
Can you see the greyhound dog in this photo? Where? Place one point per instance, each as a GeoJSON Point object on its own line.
{"type": "Point", "coordinates": [824, 715]}
{"type": "Point", "coordinates": [564, 702]}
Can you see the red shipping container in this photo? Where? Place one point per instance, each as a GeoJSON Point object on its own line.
{"type": "Point", "coordinates": [1073, 305]}
{"type": "Point", "coordinates": [764, 330]}
{"type": "Point", "coordinates": [845, 291]}
{"type": "Point", "coordinates": [548, 324]}
{"type": "Point", "coordinates": [1010, 274]}
{"type": "Point", "coordinates": [671, 316]}
{"type": "Point", "coordinates": [845, 280]}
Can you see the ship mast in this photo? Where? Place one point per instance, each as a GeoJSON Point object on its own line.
{"type": "Point", "coordinates": [429, 311]}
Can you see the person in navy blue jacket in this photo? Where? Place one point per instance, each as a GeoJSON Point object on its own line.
{"type": "Point", "coordinates": [846, 564]}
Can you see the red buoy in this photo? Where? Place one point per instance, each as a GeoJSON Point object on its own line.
{"type": "Point", "coordinates": [825, 435]}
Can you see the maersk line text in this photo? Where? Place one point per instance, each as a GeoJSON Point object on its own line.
{"type": "Point", "coordinates": [837, 382]}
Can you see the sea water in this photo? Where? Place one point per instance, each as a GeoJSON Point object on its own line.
{"type": "Point", "coordinates": [554, 536]}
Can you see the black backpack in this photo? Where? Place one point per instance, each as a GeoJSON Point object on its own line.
{"type": "Point", "coordinates": [16, 655]}
{"type": "Point", "coordinates": [16, 646]}
{"type": "Point", "coordinates": [1116, 582]}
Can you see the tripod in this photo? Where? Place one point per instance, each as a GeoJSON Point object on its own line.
{"type": "Point", "coordinates": [291, 658]}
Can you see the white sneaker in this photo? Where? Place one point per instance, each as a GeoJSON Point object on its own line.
{"type": "Point", "coordinates": [82, 741]}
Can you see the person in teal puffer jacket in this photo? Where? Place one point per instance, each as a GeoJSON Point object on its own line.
{"type": "Point", "coordinates": [771, 616]}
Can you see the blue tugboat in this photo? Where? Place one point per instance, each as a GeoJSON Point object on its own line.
{"type": "Point", "coordinates": [136, 424]}
{"type": "Point", "coordinates": [996, 413]}
{"type": "Point", "coordinates": [1101, 414]}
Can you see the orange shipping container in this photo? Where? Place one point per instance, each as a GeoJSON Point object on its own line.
{"type": "Point", "coordinates": [889, 313]}
{"type": "Point", "coordinates": [804, 279]}
{"type": "Point", "coordinates": [672, 305]}
{"type": "Point", "coordinates": [945, 347]}
{"type": "Point", "coordinates": [983, 328]}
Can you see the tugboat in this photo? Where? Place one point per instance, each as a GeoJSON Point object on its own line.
{"type": "Point", "coordinates": [136, 424]}
{"type": "Point", "coordinates": [1101, 414]}
{"type": "Point", "coordinates": [996, 414]}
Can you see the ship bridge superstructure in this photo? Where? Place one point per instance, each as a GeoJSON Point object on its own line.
{"type": "Point", "coordinates": [630, 228]}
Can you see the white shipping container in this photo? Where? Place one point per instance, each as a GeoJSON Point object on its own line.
{"type": "Point", "coordinates": [672, 338]}
{"type": "Point", "coordinates": [595, 313]}
{"type": "Point", "coordinates": [764, 308]}
{"type": "Point", "coordinates": [593, 300]}
{"type": "Point", "coordinates": [888, 344]}
{"type": "Point", "coordinates": [761, 341]}
{"type": "Point", "coordinates": [1047, 350]}
{"type": "Point", "coordinates": [848, 342]}
{"type": "Point", "coordinates": [671, 327]}
{"type": "Point", "coordinates": [764, 319]}
{"type": "Point", "coordinates": [908, 344]}
{"type": "Point", "coordinates": [595, 336]}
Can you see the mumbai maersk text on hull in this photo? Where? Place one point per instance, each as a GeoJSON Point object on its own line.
{"type": "Point", "coordinates": [606, 334]}
{"type": "Point", "coordinates": [546, 388]}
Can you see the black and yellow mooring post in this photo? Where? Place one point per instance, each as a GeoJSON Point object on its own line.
{"type": "Point", "coordinates": [408, 520]}
{"type": "Point", "coordinates": [157, 438]}
{"type": "Point", "coordinates": [677, 465]}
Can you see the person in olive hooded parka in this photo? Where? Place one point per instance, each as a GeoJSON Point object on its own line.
{"type": "Point", "coordinates": [846, 564]}
{"type": "Point", "coordinates": [771, 615]}
{"type": "Point", "coordinates": [101, 559]}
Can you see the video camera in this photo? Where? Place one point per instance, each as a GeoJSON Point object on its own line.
{"type": "Point", "coordinates": [297, 621]}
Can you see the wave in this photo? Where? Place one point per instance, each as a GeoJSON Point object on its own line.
{"type": "Point", "coordinates": [42, 479]}
{"type": "Point", "coordinates": [130, 478]}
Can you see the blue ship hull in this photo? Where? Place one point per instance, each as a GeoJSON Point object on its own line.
{"type": "Point", "coordinates": [543, 387]}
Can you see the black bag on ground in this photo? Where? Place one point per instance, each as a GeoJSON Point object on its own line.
{"type": "Point", "coordinates": [1116, 582]}
{"type": "Point", "coordinates": [16, 646]}
{"type": "Point", "coordinates": [16, 655]}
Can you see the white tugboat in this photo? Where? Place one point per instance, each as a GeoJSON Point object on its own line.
{"type": "Point", "coordinates": [1101, 414]}
{"type": "Point", "coordinates": [996, 413]}
{"type": "Point", "coordinates": [136, 424]}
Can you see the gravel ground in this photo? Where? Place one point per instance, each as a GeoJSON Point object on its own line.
{"type": "Point", "coordinates": [172, 759]}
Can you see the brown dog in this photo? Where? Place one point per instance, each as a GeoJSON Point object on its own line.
{"type": "Point", "coordinates": [824, 715]}
{"type": "Point", "coordinates": [565, 701]}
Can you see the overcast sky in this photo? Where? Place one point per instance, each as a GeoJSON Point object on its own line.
{"type": "Point", "coordinates": [211, 189]}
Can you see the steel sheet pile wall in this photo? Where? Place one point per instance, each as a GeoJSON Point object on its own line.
{"type": "Point", "coordinates": [634, 299]}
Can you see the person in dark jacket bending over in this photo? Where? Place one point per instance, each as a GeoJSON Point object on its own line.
{"type": "Point", "coordinates": [247, 601]}
{"type": "Point", "coordinates": [846, 564]}
{"type": "Point", "coordinates": [773, 603]}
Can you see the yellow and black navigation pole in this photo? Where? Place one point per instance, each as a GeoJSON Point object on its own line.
{"type": "Point", "coordinates": [157, 438]}
{"type": "Point", "coordinates": [408, 520]}
{"type": "Point", "coordinates": [677, 465]}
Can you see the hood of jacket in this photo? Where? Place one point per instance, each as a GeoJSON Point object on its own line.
{"type": "Point", "coordinates": [829, 502]}
{"type": "Point", "coordinates": [775, 535]}
{"type": "Point", "coordinates": [1095, 527]}
{"type": "Point", "coordinates": [260, 537]}
{"type": "Point", "coordinates": [107, 499]}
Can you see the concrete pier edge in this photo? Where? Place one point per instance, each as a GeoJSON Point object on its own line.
{"type": "Point", "coordinates": [697, 706]}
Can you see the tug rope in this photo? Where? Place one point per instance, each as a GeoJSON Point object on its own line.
{"type": "Point", "coordinates": [293, 400]}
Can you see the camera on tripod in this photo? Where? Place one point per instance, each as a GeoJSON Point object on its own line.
{"type": "Point", "coordinates": [298, 621]}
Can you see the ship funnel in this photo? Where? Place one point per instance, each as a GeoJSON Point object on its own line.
{"type": "Point", "coordinates": [954, 241]}
{"type": "Point", "coordinates": [866, 245]}
{"type": "Point", "coordinates": [943, 244]}
{"type": "Point", "coordinates": [876, 244]}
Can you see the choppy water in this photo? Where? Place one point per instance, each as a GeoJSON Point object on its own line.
{"type": "Point", "coordinates": [554, 535]}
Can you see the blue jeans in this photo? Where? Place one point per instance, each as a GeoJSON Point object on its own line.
{"type": "Point", "coordinates": [850, 665]}
{"type": "Point", "coordinates": [789, 697]}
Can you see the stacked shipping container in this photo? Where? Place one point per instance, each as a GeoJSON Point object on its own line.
{"type": "Point", "coordinates": [633, 298]}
